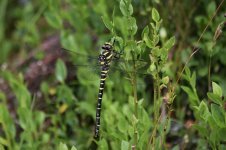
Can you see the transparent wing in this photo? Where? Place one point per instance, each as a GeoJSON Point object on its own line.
{"type": "Point", "coordinates": [80, 57]}
{"type": "Point", "coordinates": [88, 69]}
{"type": "Point", "coordinates": [90, 74]}
{"type": "Point", "coordinates": [94, 59]}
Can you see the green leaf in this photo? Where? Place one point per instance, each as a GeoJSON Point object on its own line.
{"type": "Point", "coordinates": [122, 7]}
{"type": "Point", "coordinates": [130, 8]}
{"type": "Point", "coordinates": [145, 119]}
{"type": "Point", "coordinates": [158, 143]}
{"type": "Point", "coordinates": [169, 44]}
{"type": "Point", "coordinates": [218, 115]}
{"type": "Point", "coordinates": [152, 68]}
{"type": "Point", "coordinates": [62, 147]}
{"type": "Point", "coordinates": [25, 119]}
{"type": "Point", "coordinates": [45, 88]}
{"type": "Point", "coordinates": [211, 8]}
{"type": "Point", "coordinates": [134, 120]}
{"type": "Point", "coordinates": [165, 80]}
{"type": "Point", "coordinates": [155, 15]}
{"type": "Point", "coordinates": [4, 142]}
{"type": "Point", "coordinates": [60, 71]}
{"type": "Point", "coordinates": [126, 8]}
{"type": "Point", "coordinates": [222, 134]}
{"type": "Point", "coordinates": [124, 145]}
{"type": "Point", "coordinates": [143, 136]}
{"type": "Point", "coordinates": [73, 148]}
{"type": "Point", "coordinates": [213, 136]}
{"type": "Point", "coordinates": [108, 24]}
{"type": "Point", "coordinates": [120, 41]}
{"type": "Point", "coordinates": [7, 121]}
{"type": "Point", "coordinates": [145, 32]}
{"type": "Point", "coordinates": [145, 37]}
{"type": "Point", "coordinates": [187, 72]}
{"type": "Point", "coordinates": [130, 47]}
{"type": "Point", "coordinates": [103, 145]}
{"type": "Point", "coordinates": [215, 98]}
{"type": "Point", "coordinates": [132, 26]}
{"type": "Point", "coordinates": [193, 98]}
{"type": "Point", "coordinates": [155, 39]}
{"type": "Point", "coordinates": [193, 81]}
{"type": "Point", "coordinates": [217, 89]}
{"type": "Point", "coordinates": [204, 111]}
{"type": "Point", "coordinates": [39, 117]}
{"type": "Point", "coordinates": [176, 148]}
{"type": "Point", "coordinates": [201, 129]}
{"type": "Point", "coordinates": [122, 124]}
{"type": "Point", "coordinates": [212, 123]}
{"type": "Point", "coordinates": [53, 19]}
{"type": "Point", "coordinates": [19, 88]}
{"type": "Point", "coordinates": [148, 42]}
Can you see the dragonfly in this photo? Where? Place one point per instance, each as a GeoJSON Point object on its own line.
{"type": "Point", "coordinates": [105, 59]}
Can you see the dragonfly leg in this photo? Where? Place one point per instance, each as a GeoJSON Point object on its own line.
{"type": "Point", "coordinates": [117, 55]}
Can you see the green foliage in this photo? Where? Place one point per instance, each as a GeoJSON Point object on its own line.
{"type": "Point", "coordinates": [25, 114]}
{"type": "Point", "coordinates": [7, 124]}
{"type": "Point", "coordinates": [191, 92]}
{"type": "Point", "coordinates": [57, 110]}
{"type": "Point", "coordinates": [212, 123]}
{"type": "Point", "coordinates": [64, 147]}
{"type": "Point", "coordinates": [60, 71]}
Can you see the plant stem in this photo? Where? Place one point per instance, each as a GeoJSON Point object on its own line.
{"type": "Point", "coordinates": [169, 110]}
{"type": "Point", "coordinates": [134, 81]}
{"type": "Point", "coordinates": [152, 137]}
{"type": "Point", "coordinates": [158, 100]}
{"type": "Point", "coordinates": [157, 104]}
{"type": "Point", "coordinates": [155, 98]}
{"type": "Point", "coordinates": [209, 75]}
{"type": "Point", "coordinates": [209, 68]}
{"type": "Point", "coordinates": [157, 94]}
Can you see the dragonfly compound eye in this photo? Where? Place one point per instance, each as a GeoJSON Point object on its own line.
{"type": "Point", "coordinates": [107, 46]}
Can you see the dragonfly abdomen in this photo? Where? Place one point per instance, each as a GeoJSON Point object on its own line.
{"type": "Point", "coordinates": [98, 108]}
{"type": "Point", "coordinates": [105, 60]}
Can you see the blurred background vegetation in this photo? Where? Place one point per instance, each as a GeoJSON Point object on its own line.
{"type": "Point", "coordinates": [45, 100]}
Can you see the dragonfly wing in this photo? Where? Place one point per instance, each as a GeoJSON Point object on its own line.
{"type": "Point", "coordinates": [78, 55]}
{"type": "Point", "coordinates": [89, 72]}
{"type": "Point", "coordinates": [85, 74]}
{"type": "Point", "coordinates": [127, 67]}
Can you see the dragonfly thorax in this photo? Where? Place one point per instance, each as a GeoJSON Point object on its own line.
{"type": "Point", "coordinates": [106, 56]}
